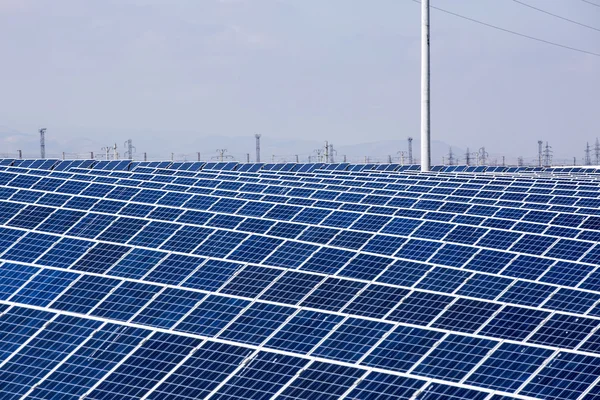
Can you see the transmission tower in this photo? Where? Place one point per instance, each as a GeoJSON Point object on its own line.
{"type": "Point", "coordinates": [450, 157]}
{"type": "Point", "coordinates": [597, 151]}
{"type": "Point", "coordinates": [257, 136]}
{"type": "Point", "coordinates": [221, 156]}
{"type": "Point", "coordinates": [410, 156]}
{"type": "Point", "coordinates": [540, 153]}
{"type": "Point", "coordinates": [319, 155]}
{"type": "Point", "coordinates": [547, 155]}
{"type": "Point", "coordinates": [588, 159]}
{"type": "Point", "coordinates": [482, 156]}
{"type": "Point", "coordinates": [130, 149]}
{"type": "Point", "coordinates": [520, 162]}
{"type": "Point", "coordinates": [402, 155]}
{"type": "Point", "coordinates": [331, 153]}
{"type": "Point", "coordinates": [43, 143]}
{"type": "Point", "coordinates": [107, 150]}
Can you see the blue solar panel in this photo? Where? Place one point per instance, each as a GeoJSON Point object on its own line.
{"type": "Point", "coordinates": [294, 280]}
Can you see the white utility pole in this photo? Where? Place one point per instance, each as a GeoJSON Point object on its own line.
{"type": "Point", "coordinates": [425, 89]}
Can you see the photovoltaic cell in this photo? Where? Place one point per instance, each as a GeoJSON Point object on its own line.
{"type": "Point", "coordinates": [454, 357]}
{"type": "Point", "coordinates": [402, 348]}
{"type": "Point", "coordinates": [169, 307]}
{"type": "Point", "coordinates": [100, 258]}
{"type": "Point", "coordinates": [326, 381]}
{"type": "Point", "coordinates": [565, 377]}
{"type": "Point", "coordinates": [64, 253]}
{"type": "Point", "coordinates": [174, 269]}
{"type": "Point", "coordinates": [165, 350]}
{"type": "Point", "coordinates": [42, 288]}
{"type": "Point", "coordinates": [351, 340]}
{"type": "Point", "coordinates": [12, 277]}
{"type": "Point", "coordinates": [90, 362]}
{"type": "Point", "coordinates": [84, 294]}
{"type": "Point", "coordinates": [202, 372]}
{"type": "Point", "coordinates": [303, 331]}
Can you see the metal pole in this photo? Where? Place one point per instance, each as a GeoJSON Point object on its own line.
{"type": "Point", "coordinates": [198, 156]}
{"type": "Point", "coordinates": [20, 154]}
{"type": "Point", "coordinates": [425, 89]}
{"type": "Point", "coordinates": [43, 143]}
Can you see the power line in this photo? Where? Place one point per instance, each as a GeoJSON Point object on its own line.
{"type": "Point", "coordinates": [556, 16]}
{"type": "Point", "coordinates": [589, 2]}
{"type": "Point", "coordinates": [513, 32]}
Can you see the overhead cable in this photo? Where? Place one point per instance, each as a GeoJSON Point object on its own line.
{"type": "Point", "coordinates": [589, 2]}
{"type": "Point", "coordinates": [556, 16]}
{"type": "Point", "coordinates": [514, 32]}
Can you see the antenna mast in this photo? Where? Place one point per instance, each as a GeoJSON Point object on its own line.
{"type": "Point", "coordinates": [257, 136]}
{"type": "Point", "coordinates": [42, 143]}
{"type": "Point", "coordinates": [425, 89]}
{"type": "Point", "coordinates": [540, 153]}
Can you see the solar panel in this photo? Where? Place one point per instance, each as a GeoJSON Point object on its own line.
{"type": "Point", "coordinates": [226, 280]}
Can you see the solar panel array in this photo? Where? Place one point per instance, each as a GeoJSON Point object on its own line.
{"type": "Point", "coordinates": [297, 281]}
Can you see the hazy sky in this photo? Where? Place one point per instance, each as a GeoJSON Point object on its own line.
{"type": "Point", "coordinates": [164, 72]}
